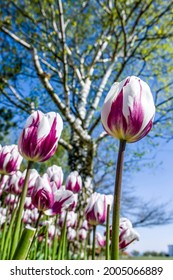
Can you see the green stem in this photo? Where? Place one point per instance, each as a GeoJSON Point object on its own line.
{"type": "Point", "coordinates": [46, 245]}
{"type": "Point", "coordinates": [94, 243]}
{"type": "Point", "coordinates": [55, 240]}
{"type": "Point", "coordinates": [24, 244]}
{"type": "Point", "coordinates": [7, 243]}
{"type": "Point", "coordinates": [117, 202]}
{"type": "Point", "coordinates": [20, 211]}
{"type": "Point", "coordinates": [107, 233]}
{"type": "Point", "coordinates": [4, 231]}
{"type": "Point", "coordinates": [61, 247]}
{"type": "Point", "coordinates": [36, 227]}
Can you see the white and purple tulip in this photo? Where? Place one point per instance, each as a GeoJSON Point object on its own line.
{"type": "Point", "coordinates": [71, 234]}
{"type": "Point", "coordinates": [10, 159]}
{"type": "Point", "coordinates": [85, 225]}
{"type": "Point", "coordinates": [63, 199]}
{"type": "Point", "coordinates": [128, 110]}
{"type": "Point", "coordinates": [42, 195]}
{"type": "Point", "coordinates": [71, 220]}
{"type": "Point", "coordinates": [127, 233]}
{"type": "Point", "coordinates": [13, 184]}
{"type": "Point", "coordinates": [39, 138]}
{"type": "Point", "coordinates": [96, 210]}
{"type": "Point", "coordinates": [56, 175]}
{"type": "Point", "coordinates": [28, 203]}
{"type": "Point", "coordinates": [74, 182]}
{"type": "Point", "coordinates": [83, 234]}
{"type": "Point", "coordinates": [101, 240]}
{"type": "Point", "coordinates": [3, 182]}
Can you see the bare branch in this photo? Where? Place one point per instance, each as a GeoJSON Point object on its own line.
{"type": "Point", "coordinates": [65, 63]}
{"type": "Point", "coordinates": [16, 38]}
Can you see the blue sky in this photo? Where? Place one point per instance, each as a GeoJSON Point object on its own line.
{"type": "Point", "coordinates": [157, 184]}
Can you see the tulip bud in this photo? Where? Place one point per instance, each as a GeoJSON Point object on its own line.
{"type": "Point", "coordinates": [128, 110]}
{"type": "Point", "coordinates": [85, 225]}
{"type": "Point", "coordinates": [42, 195]}
{"type": "Point", "coordinates": [71, 220]}
{"type": "Point", "coordinates": [28, 203]}
{"type": "Point", "coordinates": [13, 184]}
{"type": "Point", "coordinates": [127, 233]}
{"type": "Point", "coordinates": [96, 210]}
{"type": "Point", "coordinates": [39, 138]}
{"type": "Point", "coordinates": [82, 234]}
{"type": "Point", "coordinates": [63, 199]}
{"type": "Point", "coordinates": [101, 240]}
{"type": "Point", "coordinates": [74, 182]}
{"type": "Point", "coordinates": [71, 234]}
{"type": "Point", "coordinates": [10, 159]}
{"type": "Point", "coordinates": [3, 182]}
{"type": "Point", "coordinates": [56, 175]}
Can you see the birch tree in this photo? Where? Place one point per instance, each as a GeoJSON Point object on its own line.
{"type": "Point", "coordinates": [65, 55]}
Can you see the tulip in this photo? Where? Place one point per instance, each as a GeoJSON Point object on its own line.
{"type": "Point", "coordinates": [63, 199]}
{"type": "Point", "coordinates": [101, 240]}
{"type": "Point", "coordinates": [127, 115]}
{"type": "Point", "coordinates": [10, 199]}
{"type": "Point", "coordinates": [128, 110]}
{"type": "Point", "coordinates": [127, 233]}
{"type": "Point", "coordinates": [3, 182]}
{"type": "Point", "coordinates": [82, 234]}
{"type": "Point", "coordinates": [55, 175]}
{"type": "Point", "coordinates": [13, 184]}
{"type": "Point", "coordinates": [10, 159]}
{"type": "Point", "coordinates": [28, 203]}
{"type": "Point", "coordinates": [85, 225]}
{"type": "Point", "coordinates": [74, 182]}
{"type": "Point", "coordinates": [39, 138]}
{"type": "Point", "coordinates": [96, 210]}
{"type": "Point", "coordinates": [42, 195]}
{"type": "Point", "coordinates": [71, 234]}
{"type": "Point", "coordinates": [71, 219]}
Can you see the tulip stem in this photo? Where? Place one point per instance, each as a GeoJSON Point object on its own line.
{"type": "Point", "coordinates": [20, 211]}
{"type": "Point", "coordinates": [117, 202]}
{"type": "Point", "coordinates": [94, 243]}
{"type": "Point", "coordinates": [107, 233]}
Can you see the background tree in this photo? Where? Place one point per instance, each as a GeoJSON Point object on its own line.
{"type": "Point", "coordinates": [65, 55]}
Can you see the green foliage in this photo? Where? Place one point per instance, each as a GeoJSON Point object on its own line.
{"type": "Point", "coordinates": [6, 122]}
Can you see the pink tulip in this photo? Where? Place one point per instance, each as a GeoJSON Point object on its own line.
{"type": "Point", "coordinates": [85, 225]}
{"type": "Point", "coordinates": [10, 159]}
{"type": "Point", "coordinates": [74, 182]}
{"type": "Point", "coordinates": [39, 138]}
{"type": "Point", "coordinates": [28, 203]}
{"type": "Point", "coordinates": [71, 219]}
{"type": "Point", "coordinates": [13, 184]}
{"type": "Point", "coordinates": [82, 234]}
{"type": "Point", "coordinates": [71, 234]}
{"type": "Point", "coordinates": [42, 195]}
{"type": "Point", "coordinates": [63, 199]}
{"type": "Point", "coordinates": [101, 240]}
{"type": "Point", "coordinates": [128, 110]}
{"type": "Point", "coordinates": [55, 175]}
{"type": "Point", "coordinates": [3, 182]}
{"type": "Point", "coordinates": [96, 209]}
{"type": "Point", "coordinates": [10, 199]}
{"type": "Point", "coordinates": [127, 233]}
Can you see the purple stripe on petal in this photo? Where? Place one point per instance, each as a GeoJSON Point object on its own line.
{"type": "Point", "coordinates": [58, 206]}
{"type": "Point", "coordinates": [116, 120]}
{"type": "Point", "coordinates": [136, 116]}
